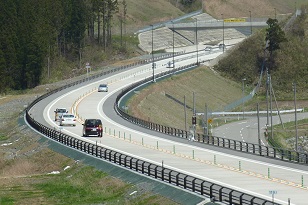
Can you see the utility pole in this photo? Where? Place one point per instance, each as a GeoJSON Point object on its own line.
{"type": "Point", "coordinates": [197, 39]}
{"type": "Point", "coordinates": [185, 115]}
{"type": "Point", "coordinates": [271, 107]}
{"type": "Point", "coordinates": [223, 33]}
{"type": "Point", "coordinates": [296, 134]}
{"type": "Point", "coordinates": [173, 66]}
{"type": "Point", "coordinates": [243, 95]}
{"type": "Point", "coordinates": [259, 136]}
{"type": "Point", "coordinates": [250, 23]}
{"type": "Point", "coordinates": [267, 85]}
{"type": "Point", "coordinates": [206, 120]}
{"type": "Point", "coordinates": [153, 63]}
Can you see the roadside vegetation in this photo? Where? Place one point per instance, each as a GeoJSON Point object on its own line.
{"type": "Point", "coordinates": [32, 60]}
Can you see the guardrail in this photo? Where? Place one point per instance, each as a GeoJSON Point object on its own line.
{"type": "Point", "coordinates": [261, 150]}
{"type": "Point", "coordinates": [196, 185]}
{"type": "Point", "coordinates": [193, 184]}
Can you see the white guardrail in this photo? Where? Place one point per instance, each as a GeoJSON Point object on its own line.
{"type": "Point", "coordinates": [253, 112]}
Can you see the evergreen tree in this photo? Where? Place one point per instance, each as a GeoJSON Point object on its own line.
{"type": "Point", "coordinates": [274, 35]}
{"type": "Point", "coordinates": [8, 44]}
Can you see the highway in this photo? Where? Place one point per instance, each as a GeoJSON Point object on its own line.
{"type": "Point", "coordinates": [257, 176]}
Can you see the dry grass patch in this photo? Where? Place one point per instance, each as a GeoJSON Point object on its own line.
{"type": "Point", "coordinates": [240, 8]}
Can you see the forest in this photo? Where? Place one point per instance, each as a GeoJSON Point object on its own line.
{"type": "Point", "coordinates": [34, 32]}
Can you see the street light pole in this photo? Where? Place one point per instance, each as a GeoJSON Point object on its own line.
{"type": "Point", "coordinates": [243, 80]}
{"type": "Point", "coordinates": [173, 66]}
{"type": "Point", "coordinates": [296, 134]}
{"type": "Point", "coordinates": [223, 33]}
{"type": "Point", "coordinates": [250, 23]}
{"type": "Point", "coordinates": [259, 135]}
{"type": "Point", "coordinates": [197, 39]}
{"type": "Point", "coordinates": [153, 63]}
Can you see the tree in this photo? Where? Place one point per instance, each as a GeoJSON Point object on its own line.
{"type": "Point", "coordinates": [9, 44]}
{"type": "Point", "coordinates": [274, 35]}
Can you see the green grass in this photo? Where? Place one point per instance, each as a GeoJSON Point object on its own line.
{"type": "Point", "coordinates": [6, 200]}
{"type": "Point", "coordinates": [3, 138]}
{"type": "Point", "coordinates": [77, 185]}
{"type": "Point", "coordinates": [285, 138]}
{"type": "Point", "coordinates": [208, 87]}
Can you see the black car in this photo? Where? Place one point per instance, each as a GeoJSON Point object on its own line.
{"type": "Point", "coordinates": [92, 127]}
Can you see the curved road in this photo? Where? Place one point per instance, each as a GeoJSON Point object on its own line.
{"type": "Point", "coordinates": [250, 174]}
{"type": "Point", "coordinates": [247, 130]}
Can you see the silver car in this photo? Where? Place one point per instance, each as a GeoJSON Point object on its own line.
{"type": "Point", "coordinates": [103, 88]}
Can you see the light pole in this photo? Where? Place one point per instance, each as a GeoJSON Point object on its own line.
{"type": "Point", "coordinates": [296, 134]}
{"type": "Point", "coordinates": [197, 39]}
{"type": "Point", "coordinates": [173, 66]}
{"type": "Point", "coordinates": [223, 33]}
{"type": "Point", "coordinates": [153, 63]}
{"type": "Point", "coordinates": [243, 80]}
{"type": "Point", "coordinates": [250, 23]}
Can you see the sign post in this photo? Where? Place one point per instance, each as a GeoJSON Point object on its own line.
{"type": "Point", "coordinates": [88, 67]}
{"type": "Point", "coordinates": [273, 192]}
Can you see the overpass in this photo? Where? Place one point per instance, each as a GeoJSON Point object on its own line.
{"type": "Point", "coordinates": [202, 29]}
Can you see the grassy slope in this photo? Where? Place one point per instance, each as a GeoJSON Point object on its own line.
{"type": "Point", "coordinates": [258, 8]}
{"type": "Point", "coordinates": [209, 88]}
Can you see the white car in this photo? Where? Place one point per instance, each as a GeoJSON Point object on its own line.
{"type": "Point", "coordinates": [103, 88]}
{"type": "Point", "coordinates": [67, 119]}
{"type": "Point", "coordinates": [208, 48]}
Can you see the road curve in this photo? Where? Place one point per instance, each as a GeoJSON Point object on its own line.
{"type": "Point", "coordinates": [251, 176]}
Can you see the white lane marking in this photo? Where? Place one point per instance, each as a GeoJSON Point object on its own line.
{"type": "Point", "coordinates": [191, 146]}
{"type": "Point", "coordinates": [180, 170]}
{"type": "Point", "coordinates": [242, 123]}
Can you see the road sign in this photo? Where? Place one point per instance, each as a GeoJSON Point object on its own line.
{"type": "Point", "coordinates": [194, 120]}
{"type": "Point", "coordinates": [210, 120]}
{"type": "Point", "coordinates": [232, 20]}
{"type": "Point", "coordinates": [272, 192]}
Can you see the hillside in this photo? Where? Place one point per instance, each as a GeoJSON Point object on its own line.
{"type": "Point", "coordinates": [289, 62]}
{"type": "Point", "coordinates": [258, 8]}
{"type": "Point", "coordinates": [244, 61]}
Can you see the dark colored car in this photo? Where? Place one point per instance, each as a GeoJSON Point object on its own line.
{"type": "Point", "coordinates": [92, 127]}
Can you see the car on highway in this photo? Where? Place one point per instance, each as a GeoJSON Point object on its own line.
{"type": "Point", "coordinates": [59, 112]}
{"type": "Point", "coordinates": [92, 127]}
{"type": "Point", "coordinates": [67, 119]}
{"type": "Point", "coordinates": [103, 88]}
{"type": "Point", "coordinates": [170, 64]}
{"type": "Point", "coordinates": [208, 48]}
{"type": "Point", "coordinates": [222, 46]}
